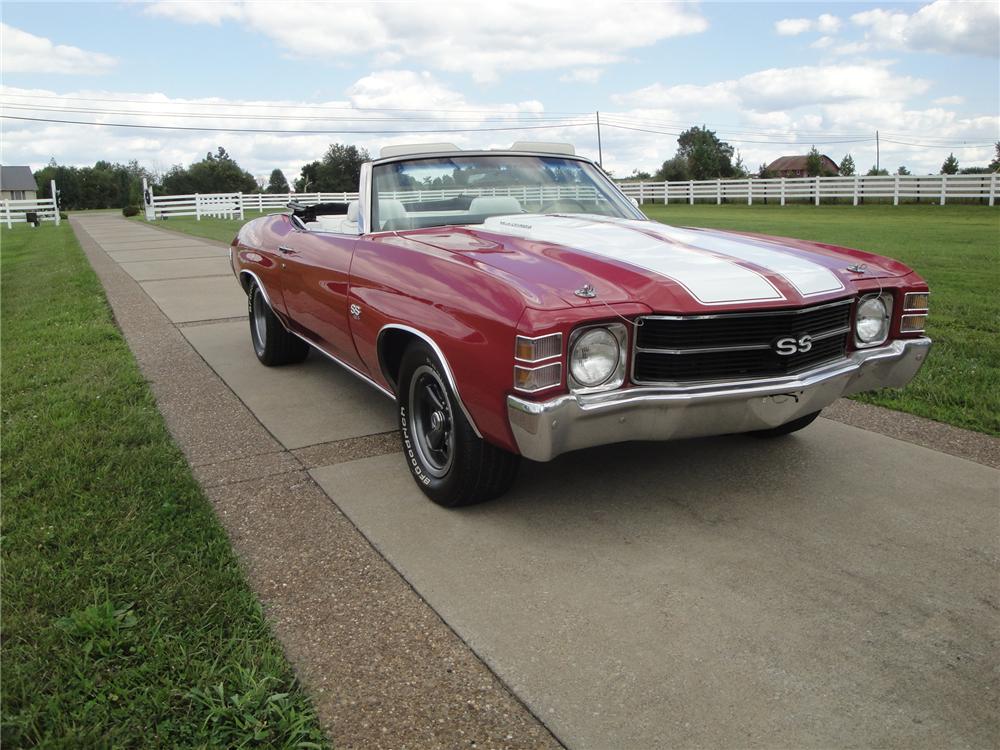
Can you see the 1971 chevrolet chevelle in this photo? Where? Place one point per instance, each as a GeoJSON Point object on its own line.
{"type": "Point", "coordinates": [517, 303]}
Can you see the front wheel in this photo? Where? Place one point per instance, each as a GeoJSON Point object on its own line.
{"type": "Point", "coordinates": [789, 427]}
{"type": "Point", "coordinates": [272, 344]}
{"type": "Point", "coordinates": [450, 463]}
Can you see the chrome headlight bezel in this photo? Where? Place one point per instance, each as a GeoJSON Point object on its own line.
{"type": "Point", "coordinates": [882, 335]}
{"type": "Point", "coordinates": [616, 376]}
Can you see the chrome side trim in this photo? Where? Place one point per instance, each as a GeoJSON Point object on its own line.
{"type": "Point", "coordinates": [444, 363]}
{"type": "Point", "coordinates": [353, 370]}
{"type": "Point", "coordinates": [313, 344]}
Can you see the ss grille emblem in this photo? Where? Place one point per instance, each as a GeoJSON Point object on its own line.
{"type": "Point", "coordinates": [790, 345]}
{"type": "Point", "coordinates": [356, 311]}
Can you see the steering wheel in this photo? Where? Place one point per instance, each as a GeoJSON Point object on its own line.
{"type": "Point", "coordinates": [554, 205]}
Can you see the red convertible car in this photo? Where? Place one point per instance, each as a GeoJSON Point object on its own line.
{"type": "Point", "coordinates": [516, 303]}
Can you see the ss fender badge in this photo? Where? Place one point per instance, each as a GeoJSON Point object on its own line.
{"type": "Point", "coordinates": [356, 312]}
{"type": "Point", "coordinates": [790, 345]}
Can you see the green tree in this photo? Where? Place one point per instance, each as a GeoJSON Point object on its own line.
{"type": "Point", "coordinates": [216, 173]}
{"type": "Point", "coordinates": [763, 173]}
{"type": "Point", "coordinates": [277, 183]}
{"type": "Point", "coordinates": [995, 164]}
{"type": "Point", "coordinates": [950, 165]}
{"type": "Point", "coordinates": [902, 170]}
{"type": "Point", "coordinates": [707, 157]}
{"type": "Point", "coordinates": [847, 166]}
{"type": "Point", "coordinates": [338, 171]}
{"type": "Point", "coordinates": [873, 172]}
{"type": "Point", "coordinates": [814, 163]}
{"type": "Point", "coordinates": [673, 170]}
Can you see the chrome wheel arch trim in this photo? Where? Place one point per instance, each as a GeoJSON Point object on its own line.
{"type": "Point", "coordinates": [354, 371]}
{"type": "Point", "coordinates": [441, 358]}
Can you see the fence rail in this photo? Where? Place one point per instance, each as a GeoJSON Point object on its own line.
{"type": "Point", "coordinates": [932, 188]}
{"type": "Point", "coordinates": [936, 188]}
{"type": "Point", "coordinates": [16, 212]}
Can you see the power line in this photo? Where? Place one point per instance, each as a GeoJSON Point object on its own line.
{"type": "Point", "coordinates": [740, 140]}
{"type": "Point", "coordinates": [289, 132]}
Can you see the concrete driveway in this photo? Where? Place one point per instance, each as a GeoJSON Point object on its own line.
{"type": "Point", "coordinates": [835, 588]}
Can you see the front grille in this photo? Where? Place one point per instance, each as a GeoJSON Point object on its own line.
{"type": "Point", "coordinates": [737, 345]}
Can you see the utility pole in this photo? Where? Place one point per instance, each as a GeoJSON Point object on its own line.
{"type": "Point", "coordinates": [876, 152]}
{"type": "Point", "coordinates": [600, 155]}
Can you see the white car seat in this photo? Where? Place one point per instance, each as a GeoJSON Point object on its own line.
{"type": "Point", "coordinates": [391, 210]}
{"type": "Point", "coordinates": [495, 205]}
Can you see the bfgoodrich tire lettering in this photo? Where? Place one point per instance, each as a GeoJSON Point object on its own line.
{"type": "Point", "coordinates": [272, 344]}
{"type": "Point", "coordinates": [448, 461]}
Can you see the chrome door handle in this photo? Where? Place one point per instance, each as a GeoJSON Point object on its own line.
{"type": "Point", "coordinates": [285, 249]}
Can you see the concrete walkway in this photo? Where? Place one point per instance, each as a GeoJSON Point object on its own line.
{"type": "Point", "coordinates": [835, 588]}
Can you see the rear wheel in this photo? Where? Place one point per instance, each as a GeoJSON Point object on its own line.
{"type": "Point", "coordinates": [272, 344]}
{"type": "Point", "coordinates": [789, 427]}
{"type": "Point", "coordinates": [450, 463]}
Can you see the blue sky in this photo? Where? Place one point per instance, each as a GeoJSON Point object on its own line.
{"type": "Point", "coordinates": [772, 78]}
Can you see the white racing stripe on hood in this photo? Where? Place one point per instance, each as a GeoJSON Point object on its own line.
{"type": "Point", "coordinates": [709, 279]}
{"type": "Point", "coordinates": [807, 277]}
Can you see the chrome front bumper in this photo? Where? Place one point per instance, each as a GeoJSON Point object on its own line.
{"type": "Point", "coordinates": [545, 429]}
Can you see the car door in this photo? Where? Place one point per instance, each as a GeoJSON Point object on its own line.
{"type": "Point", "coordinates": [315, 282]}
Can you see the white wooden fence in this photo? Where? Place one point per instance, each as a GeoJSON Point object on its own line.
{"type": "Point", "coordinates": [16, 212]}
{"type": "Point", "coordinates": [931, 188]}
{"type": "Point", "coordinates": [937, 189]}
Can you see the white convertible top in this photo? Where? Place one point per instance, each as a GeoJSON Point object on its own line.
{"type": "Point", "coordinates": [406, 149]}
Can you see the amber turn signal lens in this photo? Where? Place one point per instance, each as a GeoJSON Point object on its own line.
{"type": "Point", "coordinates": [913, 323]}
{"type": "Point", "coordinates": [916, 301]}
{"type": "Point", "coordinates": [527, 379]}
{"type": "Point", "coordinates": [536, 349]}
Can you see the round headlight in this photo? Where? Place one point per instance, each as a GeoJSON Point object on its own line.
{"type": "Point", "coordinates": [872, 321]}
{"type": "Point", "coordinates": [594, 357]}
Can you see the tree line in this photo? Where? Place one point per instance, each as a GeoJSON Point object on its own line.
{"type": "Point", "coordinates": [700, 155]}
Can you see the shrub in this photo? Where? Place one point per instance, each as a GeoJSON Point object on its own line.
{"type": "Point", "coordinates": [130, 211]}
{"type": "Point", "coordinates": [63, 215]}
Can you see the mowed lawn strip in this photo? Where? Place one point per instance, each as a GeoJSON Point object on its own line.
{"type": "Point", "coordinates": [127, 621]}
{"type": "Point", "coordinates": [956, 248]}
{"type": "Point", "coordinates": [220, 230]}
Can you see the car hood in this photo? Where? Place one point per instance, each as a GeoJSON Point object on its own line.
{"type": "Point", "coordinates": [666, 268]}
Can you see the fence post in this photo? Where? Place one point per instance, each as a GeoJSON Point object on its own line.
{"type": "Point", "coordinates": [749, 192]}
{"type": "Point", "coordinates": [642, 193]}
{"type": "Point", "coordinates": [782, 191]}
{"type": "Point", "coordinates": [55, 200]}
{"type": "Point", "coordinates": [197, 207]}
{"type": "Point", "coordinates": [993, 187]}
{"type": "Point", "coordinates": [855, 190]}
{"type": "Point", "coordinates": [816, 190]}
{"type": "Point", "coordinates": [666, 193]}
{"type": "Point", "coordinates": [6, 205]}
{"type": "Point", "coordinates": [895, 191]}
{"type": "Point", "coordinates": [691, 192]}
{"type": "Point", "coordinates": [944, 187]}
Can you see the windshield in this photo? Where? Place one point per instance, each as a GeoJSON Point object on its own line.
{"type": "Point", "coordinates": [437, 191]}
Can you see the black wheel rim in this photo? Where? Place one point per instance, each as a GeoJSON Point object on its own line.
{"type": "Point", "coordinates": [432, 425]}
{"type": "Point", "coordinates": [258, 322]}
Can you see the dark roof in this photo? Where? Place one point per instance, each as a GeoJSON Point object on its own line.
{"type": "Point", "coordinates": [797, 163]}
{"type": "Point", "coordinates": [17, 178]}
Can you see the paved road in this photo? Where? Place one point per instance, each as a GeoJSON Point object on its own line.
{"type": "Point", "coordinates": [836, 588]}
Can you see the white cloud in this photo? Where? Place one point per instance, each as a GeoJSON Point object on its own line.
{"type": "Point", "coordinates": [825, 24]}
{"type": "Point", "coordinates": [582, 75]}
{"type": "Point", "coordinates": [26, 53]}
{"type": "Point", "coordinates": [784, 88]}
{"type": "Point", "coordinates": [949, 101]}
{"type": "Point", "coordinates": [483, 40]}
{"type": "Point", "coordinates": [957, 27]}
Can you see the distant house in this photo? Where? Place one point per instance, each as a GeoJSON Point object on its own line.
{"type": "Point", "coordinates": [795, 166]}
{"type": "Point", "coordinates": [17, 184]}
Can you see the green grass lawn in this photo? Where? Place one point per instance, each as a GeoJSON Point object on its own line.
{"type": "Point", "coordinates": [222, 230]}
{"type": "Point", "coordinates": [127, 621]}
{"type": "Point", "coordinates": [956, 248]}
